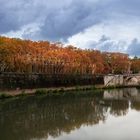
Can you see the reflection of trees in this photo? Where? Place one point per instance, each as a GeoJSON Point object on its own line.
{"type": "Point", "coordinates": [135, 105]}
{"type": "Point", "coordinates": [119, 107]}
{"type": "Point", "coordinates": [38, 117]}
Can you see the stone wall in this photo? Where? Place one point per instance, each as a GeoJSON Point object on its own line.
{"type": "Point", "coordinates": [23, 81]}
{"type": "Point", "coordinates": [113, 80]}
{"type": "Point", "coordinates": [122, 80]}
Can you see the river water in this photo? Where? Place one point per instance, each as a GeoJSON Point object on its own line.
{"type": "Point", "coordinates": [108, 115]}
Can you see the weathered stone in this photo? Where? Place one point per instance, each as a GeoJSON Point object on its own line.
{"type": "Point", "coordinates": [113, 80]}
{"type": "Point", "coordinates": [122, 80]}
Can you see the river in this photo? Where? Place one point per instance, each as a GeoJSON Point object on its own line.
{"type": "Point", "coordinates": [108, 115]}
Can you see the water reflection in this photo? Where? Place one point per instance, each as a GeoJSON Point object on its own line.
{"type": "Point", "coordinates": [40, 117]}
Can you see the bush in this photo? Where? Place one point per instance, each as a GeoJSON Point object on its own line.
{"type": "Point", "coordinates": [4, 95]}
{"type": "Point", "coordinates": [41, 91]}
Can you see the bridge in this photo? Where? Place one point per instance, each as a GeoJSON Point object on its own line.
{"type": "Point", "coordinates": [122, 80]}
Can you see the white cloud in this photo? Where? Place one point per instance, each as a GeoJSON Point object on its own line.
{"type": "Point", "coordinates": [30, 29]}
{"type": "Point", "coordinates": [119, 35]}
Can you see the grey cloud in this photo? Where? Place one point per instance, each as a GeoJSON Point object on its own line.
{"type": "Point", "coordinates": [15, 14]}
{"type": "Point", "coordinates": [61, 19]}
{"type": "Point", "coordinates": [105, 44]}
{"type": "Point", "coordinates": [67, 21]}
{"type": "Point", "coordinates": [129, 7]}
{"type": "Point", "coordinates": [58, 19]}
{"type": "Point", "coordinates": [134, 48]}
{"type": "Point", "coordinates": [4, 19]}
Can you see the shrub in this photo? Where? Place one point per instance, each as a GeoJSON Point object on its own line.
{"type": "Point", "coordinates": [41, 91]}
{"type": "Point", "coordinates": [4, 95]}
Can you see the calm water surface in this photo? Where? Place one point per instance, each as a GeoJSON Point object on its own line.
{"type": "Point", "coordinates": [109, 115]}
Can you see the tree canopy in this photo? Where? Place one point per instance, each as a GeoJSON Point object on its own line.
{"type": "Point", "coordinates": [28, 56]}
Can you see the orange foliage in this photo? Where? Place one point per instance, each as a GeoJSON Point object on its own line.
{"type": "Point", "coordinates": [18, 55]}
{"type": "Point", "coordinates": [135, 65]}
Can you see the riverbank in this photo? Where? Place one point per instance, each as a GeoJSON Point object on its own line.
{"type": "Point", "coordinates": [48, 91]}
{"type": "Point", "coordinates": [57, 91]}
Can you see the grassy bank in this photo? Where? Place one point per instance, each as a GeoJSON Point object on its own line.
{"type": "Point", "coordinates": [61, 91]}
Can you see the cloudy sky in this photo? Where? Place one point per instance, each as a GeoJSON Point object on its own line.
{"type": "Point", "coordinates": [107, 25]}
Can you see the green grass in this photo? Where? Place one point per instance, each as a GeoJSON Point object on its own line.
{"type": "Point", "coordinates": [40, 92]}
{"type": "Point", "coordinates": [72, 91]}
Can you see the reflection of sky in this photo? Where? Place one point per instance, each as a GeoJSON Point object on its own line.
{"type": "Point", "coordinates": [115, 128]}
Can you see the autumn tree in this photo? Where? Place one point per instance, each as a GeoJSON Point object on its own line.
{"type": "Point", "coordinates": [26, 56]}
